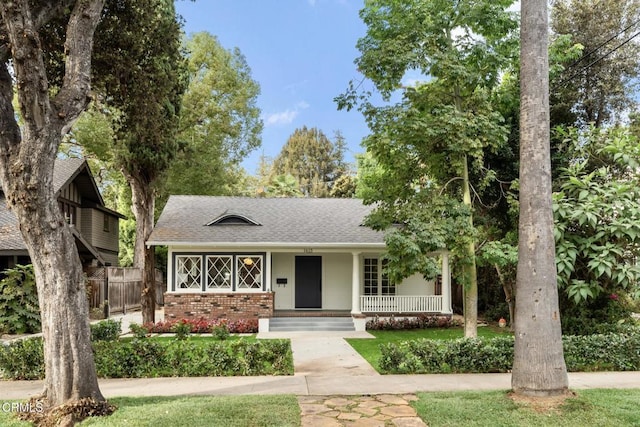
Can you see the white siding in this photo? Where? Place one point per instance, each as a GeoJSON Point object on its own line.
{"type": "Point", "coordinates": [415, 285]}
{"type": "Point", "coordinates": [283, 268]}
{"type": "Point", "coordinates": [336, 283]}
{"type": "Point", "coordinates": [336, 280]}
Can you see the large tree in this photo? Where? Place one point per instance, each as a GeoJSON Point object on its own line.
{"type": "Point", "coordinates": [432, 144]}
{"type": "Point", "coordinates": [48, 107]}
{"type": "Point", "coordinates": [538, 367]}
{"type": "Point", "coordinates": [599, 86]}
{"type": "Point", "coordinates": [145, 88]}
{"type": "Point", "coordinates": [313, 159]}
{"type": "Point", "coordinates": [219, 122]}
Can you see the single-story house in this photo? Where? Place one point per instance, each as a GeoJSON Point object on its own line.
{"type": "Point", "coordinates": [94, 226]}
{"type": "Point", "coordinates": [241, 257]}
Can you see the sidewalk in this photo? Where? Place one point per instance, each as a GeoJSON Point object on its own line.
{"type": "Point", "coordinates": [319, 385]}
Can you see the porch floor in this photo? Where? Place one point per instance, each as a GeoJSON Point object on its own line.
{"type": "Point", "coordinates": [311, 313]}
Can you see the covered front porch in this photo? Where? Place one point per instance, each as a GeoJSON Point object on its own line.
{"type": "Point", "coordinates": [259, 283]}
{"type": "Point", "coordinates": [337, 284]}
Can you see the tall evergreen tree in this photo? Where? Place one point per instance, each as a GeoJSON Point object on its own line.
{"type": "Point", "coordinates": [145, 86]}
{"type": "Point", "coordinates": [312, 159]}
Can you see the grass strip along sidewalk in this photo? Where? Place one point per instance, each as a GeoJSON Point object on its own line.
{"type": "Point", "coordinates": [600, 407]}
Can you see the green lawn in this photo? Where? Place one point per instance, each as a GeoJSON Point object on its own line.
{"type": "Point", "coordinates": [370, 348]}
{"type": "Point", "coordinates": [200, 411]}
{"type": "Point", "coordinates": [600, 407]}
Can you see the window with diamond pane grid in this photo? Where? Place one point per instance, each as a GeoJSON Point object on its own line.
{"type": "Point", "coordinates": [188, 272]}
{"type": "Point", "coordinates": [219, 272]}
{"type": "Point", "coordinates": [249, 272]}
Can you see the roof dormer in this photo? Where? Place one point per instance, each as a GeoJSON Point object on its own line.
{"type": "Point", "coordinates": [230, 218]}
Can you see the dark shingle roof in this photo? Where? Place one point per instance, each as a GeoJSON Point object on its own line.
{"type": "Point", "coordinates": [64, 171]}
{"type": "Point", "coordinates": [283, 222]}
{"type": "Point", "coordinates": [10, 237]}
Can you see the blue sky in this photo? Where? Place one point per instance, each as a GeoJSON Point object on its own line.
{"type": "Point", "coordinates": [302, 54]}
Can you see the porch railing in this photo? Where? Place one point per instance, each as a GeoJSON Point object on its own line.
{"type": "Point", "coordinates": [401, 304]}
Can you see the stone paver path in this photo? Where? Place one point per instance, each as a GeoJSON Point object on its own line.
{"type": "Point", "coordinates": [385, 410]}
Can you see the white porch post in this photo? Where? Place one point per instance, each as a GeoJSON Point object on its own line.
{"type": "Point", "coordinates": [263, 322]}
{"type": "Point", "coordinates": [446, 285]}
{"type": "Point", "coordinates": [355, 284]}
{"type": "Point", "coordinates": [267, 272]}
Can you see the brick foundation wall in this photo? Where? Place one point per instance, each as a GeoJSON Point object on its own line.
{"type": "Point", "coordinates": [233, 306]}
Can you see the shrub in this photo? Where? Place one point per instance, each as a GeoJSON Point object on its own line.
{"type": "Point", "coordinates": [19, 301]}
{"type": "Point", "coordinates": [138, 331]}
{"type": "Point", "coordinates": [602, 315]}
{"type": "Point", "coordinates": [106, 330]}
{"type": "Point", "coordinates": [616, 351]}
{"type": "Point", "coordinates": [221, 332]}
{"type": "Point", "coordinates": [22, 359]}
{"type": "Point", "coordinates": [145, 357]}
{"type": "Point", "coordinates": [137, 358]}
{"type": "Point", "coordinates": [602, 352]}
{"type": "Point", "coordinates": [202, 325]}
{"type": "Point", "coordinates": [182, 330]}
{"type": "Point", "coordinates": [421, 321]}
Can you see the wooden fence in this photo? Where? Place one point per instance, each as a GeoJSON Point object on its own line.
{"type": "Point", "coordinates": [121, 287]}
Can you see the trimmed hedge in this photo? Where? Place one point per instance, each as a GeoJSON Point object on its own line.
{"type": "Point", "coordinates": [22, 360]}
{"type": "Point", "coordinates": [605, 352]}
{"type": "Point", "coordinates": [143, 357]}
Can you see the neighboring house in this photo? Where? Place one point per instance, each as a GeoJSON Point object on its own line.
{"type": "Point", "coordinates": [234, 257]}
{"type": "Point", "coordinates": [94, 226]}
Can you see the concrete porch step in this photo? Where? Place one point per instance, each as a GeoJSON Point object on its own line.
{"type": "Point", "coordinates": [311, 324]}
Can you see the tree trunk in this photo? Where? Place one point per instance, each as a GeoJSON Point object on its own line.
{"type": "Point", "coordinates": [26, 171]}
{"type": "Point", "coordinates": [538, 367]}
{"type": "Point", "coordinates": [509, 295]}
{"type": "Point", "coordinates": [143, 205]}
{"type": "Point", "coordinates": [470, 273]}
{"type": "Point", "coordinates": [64, 309]}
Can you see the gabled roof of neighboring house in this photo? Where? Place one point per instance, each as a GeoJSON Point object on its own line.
{"type": "Point", "coordinates": [64, 172]}
{"type": "Point", "coordinates": [273, 222]}
{"type": "Point", "coordinates": [68, 170]}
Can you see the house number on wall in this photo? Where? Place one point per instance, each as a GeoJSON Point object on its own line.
{"type": "Point", "coordinates": [308, 250]}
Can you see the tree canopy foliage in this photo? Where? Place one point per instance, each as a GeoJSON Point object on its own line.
{"type": "Point", "coordinates": [598, 216]}
{"type": "Point", "coordinates": [598, 87]}
{"type": "Point", "coordinates": [425, 147]}
{"type": "Point", "coordinates": [313, 159]}
{"type": "Point", "coordinates": [219, 124]}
